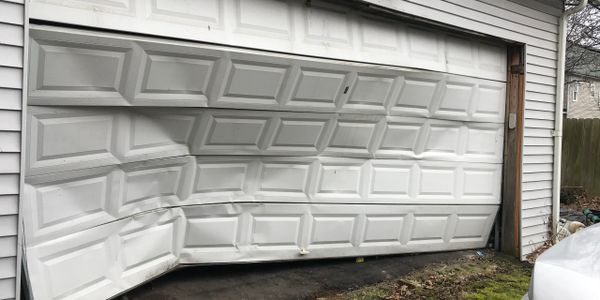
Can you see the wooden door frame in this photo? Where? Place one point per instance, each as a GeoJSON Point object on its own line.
{"type": "Point", "coordinates": [510, 208]}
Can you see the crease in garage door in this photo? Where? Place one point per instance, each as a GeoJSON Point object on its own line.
{"type": "Point", "coordinates": [178, 153]}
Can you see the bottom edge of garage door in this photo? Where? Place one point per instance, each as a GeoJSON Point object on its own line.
{"type": "Point", "coordinates": [106, 260]}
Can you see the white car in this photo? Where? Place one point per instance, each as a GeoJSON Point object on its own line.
{"type": "Point", "coordinates": [569, 269]}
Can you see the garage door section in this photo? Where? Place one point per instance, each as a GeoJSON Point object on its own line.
{"type": "Point", "coordinates": [146, 153]}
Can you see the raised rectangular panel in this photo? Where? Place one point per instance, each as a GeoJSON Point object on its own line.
{"type": "Point", "coordinates": [254, 82]}
{"type": "Point", "coordinates": [214, 232]}
{"type": "Point", "coordinates": [489, 105]}
{"type": "Point", "coordinates": [149, 246]}
{"type": "Point", "coordinates": [424, 45]}
{"type": "Point", "coordinates": [231, 132]}
{"type": "Point", "coordinates": [492, 61]}
{"type": "Point", "coordinates": [124, 7]}
{"type": "Point", "coordinates": [485, 141]}
{"type": "Point", "coordinates": [207, 12]}
{"type": "Point", "coordinates": [471, 227]}
{"type": "Point", "coordinates": [455, 101]}
{"type": "Point", "coordinates": [416, 96]}
{"type": "Point", "coordinates": [390, 181]}
{"type": "Point", "coordinates": [71, 139]}
{"type": "Point", "coordinates": [378, 35]}
{"type": "Point", "coordinates": [383, 229]}
{"type": "Point", "coordinates": [146, 183]}
{"type": "Point", "coordinates": [284, 177]}
{"type": "Point", "coordinates": [327, 25]}
{"type": "Point", "coordinates": [400, 135]}
{"type": "Point", "coordinates": [481, 182]}
{"type": "Point", "coordinates": [299, 134]}
{"type": "Point", "coordinates": [251, 18]}
{"type": "Point", "coordinates": [339, 180]}
{"type": "Point", "coordinates": [352, 136]}
{"type": "Point", "coordinates": [428, 229]}
{"type": "Point", "coordinates": [157, 134]}
{"type": "Point", "coordinates": [78, 269]}
{"type": "Point", "coordinates": [219, 177]}
{"type": "Point", "coordinates": [318, 87]}
{"type": "Point", "coordinates": [437, 182]}
{"type": "Point", "coordinates": [443, 138]}
{"type": "Point", "coordinates": [370, 91]}
{"type": "Point", "coordinates": [174, 77]}
{"type": "Point", "coordinates": [79, 73]}
{"type": "Point", "coordinates": [69, 201]}
{"type": "Point", "coordinates": [332, 231]}
{"type": "Point", "coordinates": [460, 54]}
{"type": "Point", "coordinates": [277, 230]}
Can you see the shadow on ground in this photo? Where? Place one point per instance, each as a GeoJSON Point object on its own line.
{"type": "Point", "coordinates": [282, 280]}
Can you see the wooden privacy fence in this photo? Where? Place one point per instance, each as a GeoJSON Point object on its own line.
{"type": "Point", "coordinates": [581, 154]}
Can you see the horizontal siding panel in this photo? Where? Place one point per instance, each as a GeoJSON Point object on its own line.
{"type": "Point", "coordinates": [536, 212]}
{"type": "Point", "coordinates": [541, 52]}
{"type": "Point", "coordinates": [540, 88]}
{"type": "Point", "coordinates": [526, 11]}
{"type": "Point", "coordinates": [529, 95]}
{"type": "Point", "coordinates": [537, 185]}
{"type": "Point", "coordinates": [530, 247]}
{"type": "Point", "coordinates": [435, 10]}
{"type": "Point", "coordinates": [541, 124]}
{"type": "Point", "coordinates": [7, 288]}
{"type": "Point", "coordinates": [538, 150]}
{"type": "Point", "coordinates": [8, 246]}
{"type": "Point", "coordinates": [538, 141]}
{"type": "Point", "coordinates": [536, 194]}
{"type": "Point", "coordinates": [540, 105]}
{"type": "Point", "coordinates": [9, 163]}
{"type": "Point", "coordinates": [540, 115]}
{"type": "Point", "coordinates": [8, 267]}
{"type": "Point", "coordinates": [8, 226]}
{"type": "Point", "coordinates": [536, 132]}
{"type": "Point", "coordinates": [534, 203]}
{"type": "Point", "coordinates": [11, 77]}
{"type": "Point", "coordinates": [537, 168]}
{"type": "Point", "coordinates": [542, 79]}
{"type": "Point", "coordinates": [10, 120]}
{"type": "Point", "coordinates": [9, 184]}
{"type": "Point", "coordinates": [535, 239]}
{"type": "Point", "coordinates": [11, 13]}
{"type": "Point", "coordinates": [11, 56]}
{"type": "Point", "coordinates": [538, 159]}
{"type": "Point", "coordinates": [535, 230]}
{"type": "Point", "coordinates": [536, 221]}
{"type": "Point", "coordinates": [10, 141]}
{"type": "Point", "coordinates": [541, 61]}
{"type": "Point", "coordinates": [476, 10]}
{"type": "Point", "coordinates": [539, 70]}
{"type": "Point", "coordinates": [536, 176]}
{"type": "Point", "coordinates": [9, 205]}
{"type": "Point", "coordinates": [11, 35]}
{"type": "Point", "coordinates": [10, 99]}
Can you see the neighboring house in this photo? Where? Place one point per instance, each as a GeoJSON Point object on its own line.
{"type": "Point", "coordinates": [139, 135]}
{"type": "Point", "coordinates": [582, 87]}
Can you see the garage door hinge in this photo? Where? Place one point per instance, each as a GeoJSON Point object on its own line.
{"type": "Point", "coordinates": [517, 69]}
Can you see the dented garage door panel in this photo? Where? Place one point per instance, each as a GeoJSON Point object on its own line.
{"type": "Point", "coordinates": [147, 153]}
{"type": "Point", "coordinates": [99, 262]}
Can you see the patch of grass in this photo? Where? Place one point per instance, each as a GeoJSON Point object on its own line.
{"type": "Point", "coordinates": [491, 277]}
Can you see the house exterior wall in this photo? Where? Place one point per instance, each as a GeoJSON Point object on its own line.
{"type": "Point", "coordinates": [582, 98]}
{"type": "Point", "coordinates": [11, 84]}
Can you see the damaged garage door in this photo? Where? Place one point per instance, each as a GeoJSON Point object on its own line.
{"type": "Point", "coordinates": [143, 154]}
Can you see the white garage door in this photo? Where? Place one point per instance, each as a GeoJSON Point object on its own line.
{"type": "Point", "coordinates": [146, 153]}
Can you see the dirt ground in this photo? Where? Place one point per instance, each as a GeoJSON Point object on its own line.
{"type": "Point", "coordinates": [493, 276]}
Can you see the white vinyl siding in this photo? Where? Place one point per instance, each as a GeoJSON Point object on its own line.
{"type": "Point", "coordinates": [538, 30]}
{"type": "Point", "coordinates": [11, 83]}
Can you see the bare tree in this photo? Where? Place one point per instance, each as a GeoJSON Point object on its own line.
{"type": "Point", "coordinates": [583, 40]}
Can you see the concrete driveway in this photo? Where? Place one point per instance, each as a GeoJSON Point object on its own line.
{"type": "Point", "coordinates": [282, 280]}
